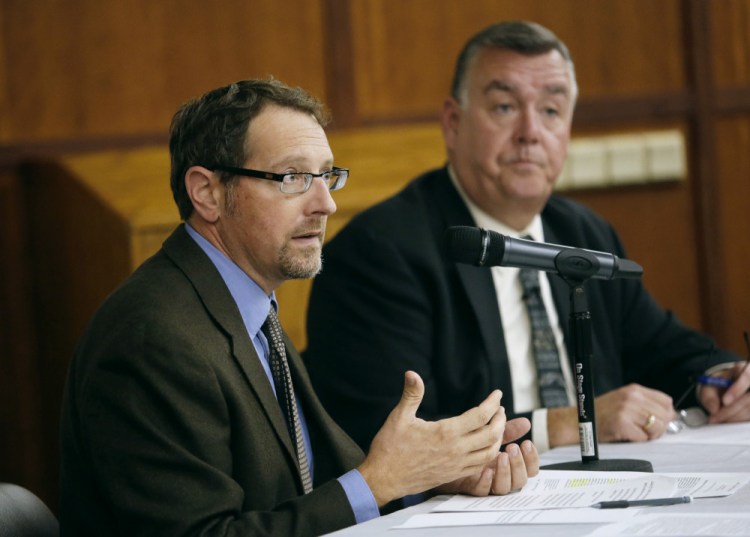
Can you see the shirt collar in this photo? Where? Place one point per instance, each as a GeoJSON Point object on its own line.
{"type": "Point", "coordinates": [251, 300]}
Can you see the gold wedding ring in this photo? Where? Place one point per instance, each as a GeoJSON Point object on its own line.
{"type": "Point", "coordinates": [649, 422]}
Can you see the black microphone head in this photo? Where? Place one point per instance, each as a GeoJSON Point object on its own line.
{"type": "Point", "coordinates": [629, 269]}
{"type": "Point", "coordinates": [464, 244]}
{"type": "Point", "coordinates": [474, 246]}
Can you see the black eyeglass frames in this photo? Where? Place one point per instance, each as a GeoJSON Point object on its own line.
{"type": "Point", "coordinates": [292, 182]}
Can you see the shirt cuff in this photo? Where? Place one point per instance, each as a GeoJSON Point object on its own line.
{"type": "Point", "coordinates": [360, 496]}
{"type": "Point", "coordinates": [539, 433]}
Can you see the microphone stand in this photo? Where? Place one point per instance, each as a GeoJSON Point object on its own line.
{"type": "Point", "coordinates": [576, 267]}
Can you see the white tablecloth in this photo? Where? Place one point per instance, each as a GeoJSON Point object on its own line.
{"type": "Point", "coordinates": [719, 448]}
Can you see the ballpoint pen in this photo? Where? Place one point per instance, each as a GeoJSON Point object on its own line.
{"type": "Point", "coordinates": [716, 382]}
{"type": "Point", "coordinates": [620, 504]}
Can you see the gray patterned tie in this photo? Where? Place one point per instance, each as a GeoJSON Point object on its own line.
{"type": "Point", "coordinates": [550, 376]}
{"type": "Point", "coordinates": [282, 378]}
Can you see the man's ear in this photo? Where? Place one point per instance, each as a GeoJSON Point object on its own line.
{"type": "Point", "coordinates": [449, 119]}
{"type": "Point", "coordinates": [204, 188]}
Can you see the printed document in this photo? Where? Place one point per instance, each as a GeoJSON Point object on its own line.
{"type": "Point", "coordinates": [557, 489]}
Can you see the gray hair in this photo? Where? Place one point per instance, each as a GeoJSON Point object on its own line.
{"type": "Point", "coordinates": [528, 38]}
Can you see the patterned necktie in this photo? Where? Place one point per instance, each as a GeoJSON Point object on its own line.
{"type": "Point", "coordinates": [550, 376]}
{"type": "Point", "coordinates": [282, 379]}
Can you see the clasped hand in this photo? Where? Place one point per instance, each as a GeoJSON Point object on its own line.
{"type": "Point", "coordinates": [454, 455]}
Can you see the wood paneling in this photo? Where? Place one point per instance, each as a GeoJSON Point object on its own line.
{"type": "Point", "coordinates": [5, 133]}
{"type": "Point", "coordinates": [730, 43]}
{"type": "Point", "coordinates": [86, 68]}
{"type": "Point", "coordinates": [656, 224]}
{"type": "Point", "coordinates": [732, 183]}
{"type": "Point", "coordinates": [95, 218]}
{"type": "Point", "coordinates": [21, 455]}
{"type": "Point", "coordinates": [404, 52]}
{"type": "Point", "coordinates": [77, 257]}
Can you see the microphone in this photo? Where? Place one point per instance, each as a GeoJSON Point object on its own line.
{"type": "Point", "coordinates": [484, 248]}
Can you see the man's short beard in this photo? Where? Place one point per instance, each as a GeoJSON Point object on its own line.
{"type": "Point", "coordinates": [292, 267]}
{"type": "Point", "coordinates": [300, 266]}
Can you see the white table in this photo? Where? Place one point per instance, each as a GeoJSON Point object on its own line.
{"type": "Point", "coordinates": [711, 449]}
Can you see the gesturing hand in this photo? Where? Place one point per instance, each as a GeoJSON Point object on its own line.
{"type": "Point", "coordinates": [510, 471]}
{"type": "Point", "coordinates": [410, 455]}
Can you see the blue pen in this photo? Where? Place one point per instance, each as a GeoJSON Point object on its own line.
{"type": "Point", "coordinates": [718, 382]}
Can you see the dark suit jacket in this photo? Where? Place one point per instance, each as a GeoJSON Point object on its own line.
{"type": "Point", "coordinates": [389, 300]}
{"type": "Point", "coordinates": [170, 426]}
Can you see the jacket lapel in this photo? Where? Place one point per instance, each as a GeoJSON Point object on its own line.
{"type": "Point", "coordinates": [188, 256]}
{"type": "Point", "coordinates": [478, 284]}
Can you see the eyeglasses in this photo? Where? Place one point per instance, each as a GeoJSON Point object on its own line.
{"type": "Point", "coordinates": [293, 182]}
{"type": "Point", "coordinates": [687, 417]}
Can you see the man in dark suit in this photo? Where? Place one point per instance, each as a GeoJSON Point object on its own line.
{"type": "Point", "coordinates": [187, 410]}
{"type": "Point", "coordinates": [390, 299]}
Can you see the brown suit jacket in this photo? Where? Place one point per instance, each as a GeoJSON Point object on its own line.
{"type": "Point", "coordinates": [170, 426]}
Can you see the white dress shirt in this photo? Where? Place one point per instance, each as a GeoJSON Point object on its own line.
{"type": "Point", "coordinates": [517, 327]}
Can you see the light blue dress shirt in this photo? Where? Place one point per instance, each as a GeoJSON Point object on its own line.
{"type": "Point", "coordinates": [254, 305]}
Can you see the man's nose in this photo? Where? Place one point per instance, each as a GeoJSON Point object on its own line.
{"type": "Point", "coordinates": [528, 127]}
{"type": "Point", "coordinates": [321, 199]}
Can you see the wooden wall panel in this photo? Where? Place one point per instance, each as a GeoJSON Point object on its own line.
{"type": "Point", "coordinates": [657, 225]}
{"type": "Point", "coordinates": [730, 42]}
{"type": "Point", "coordinates": [4, 106]}
{"type": "Point", "coordinates": [732, 183]}
{"type": "Point", "coordinates": [404, 52]}
{"type": "Point", "coordinates": [86, 68]}
{"type": "Point", "coordinates": [77, 258]}
{"type": "Point", "coordinates": [91, 215]}
{"type": "Point", "coordinates": [21, 455]}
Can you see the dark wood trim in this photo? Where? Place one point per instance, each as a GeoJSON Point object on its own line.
{"type": "Point", "coordinates": [24, 460]}
{"type": "Point", "coordinates": [597, 113]}
{"type": "Point", "coordinates": [340, 87]}
{"type": "Point", "coordinates": [12, 154]}
{"type": "Point", "coordinates": [602, 111]}
{"type": "Point", "coordinates": [592, 111]}
{"type": "Point", "coordinates": [732, 101]}
{"type": "Point", "coordinates": [702, 162]}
